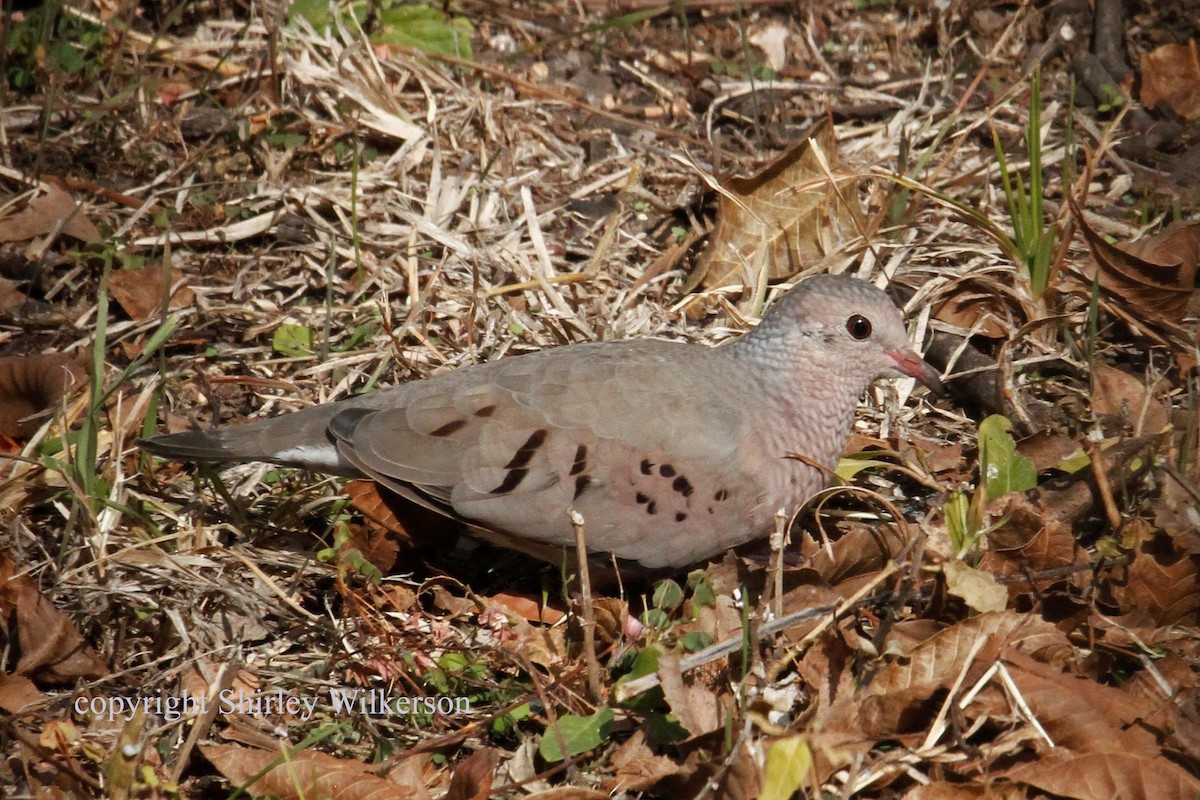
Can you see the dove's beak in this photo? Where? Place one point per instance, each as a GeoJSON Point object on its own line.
{"type": "Point", "coordinates": [912, 365]}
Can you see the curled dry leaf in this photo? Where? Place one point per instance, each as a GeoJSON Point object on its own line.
{"type": "Point", "coordinates": [1155, 276]}
{"type": "Point", "coordinates": [50, 209]}
{"type": "Point", "coordinates": [405, 523]}
{"type": "Point", "coordinates": [51, 650]}
{"type": "Point", "coordinates": [1035, 537]}
{"type": "Point", "coordinates": [973, 311]}
{"type": "Point", "coordinates": [1171, 75]}
{"type": "Point", "coordinates": [782, 219]}
{"type": "Point", "coordinates": [30, 385]}
{"type": "Point", "coordinates": [472, 779]}
{"type": "Point", "coordinates": [528, 608]}
{"type": "Point", "coordinates": [376, 546]}
{"type": "Point", "coordinates": [978, 589]}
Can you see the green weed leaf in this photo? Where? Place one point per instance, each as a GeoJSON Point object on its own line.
{"type": "Point", "coordinates": [425, 29]}
{"type": "Point", "coordinates": [577, 734]}
{"type": "Point", "coordinates": [293, 341]}
{"type": "Point", "coordinates": [788, 763]}
{"type": "Point", "coordinates": [667, 595]}
{"type": "Point", "coordinates": [1002, 468]}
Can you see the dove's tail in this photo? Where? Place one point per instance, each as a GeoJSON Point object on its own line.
{"type": "Point", "coordinates": [300, 439]}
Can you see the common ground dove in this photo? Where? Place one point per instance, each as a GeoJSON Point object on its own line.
{"type": "Point", "coordinates": [671, 452]}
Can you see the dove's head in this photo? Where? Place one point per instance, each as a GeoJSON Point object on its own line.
{"type": "Point", "coordinates": [842, 327]}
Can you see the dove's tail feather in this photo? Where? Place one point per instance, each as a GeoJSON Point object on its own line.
{"type": "Point", "coordinates": [300, 439]}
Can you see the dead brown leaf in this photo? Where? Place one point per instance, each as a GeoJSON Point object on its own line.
{"type": "Point", "coordinates": [1118, 393]}
{"type": "Point", "coordinates": [10, 296]}
{"type": "Point", "coordinates": [51, 650]}
{"type": "Point", "coordinates": [1103, 776]}
{"type": "Point", "coordinates": [1157, 278]}
{"type": "Point", "coordinates": [16, 692]}
{"type": "Point", "coordinates": [896, 701]}
{"type": "Point", "coordinates": [1048, 449]}
{"type": "Point", "coordinates": [1171, 75]}
{"type": "Point", "coordinates": [406, 524]}
{"type": "Point", "coordinates": [637, 767]}
{"type": "Point", "coordinates": [376, 546]}
{"type": "Point", "coordinates": [612, 617]}
{"type": "Point", "coordinates": [140, 292]}
{"type": "Point", "coordinates": [472, 779]}
{"type": "Point", "coordinates": [1163, 584]}
{"type": "Point", "coordinates": [1079, 713]}
{"type": "Point", "coordinates": [978, 589]}
{"type": "Point", "coordinates": [568, 793]}
{"type": "Point", "coordinates": [528, 608]}
{"type": "Point", "coordinates": [971, 311]}
{"type": "Point", "coordinates": [305, 774]}
{"type": "Point", "coordinates": [44, 214]}
{"type": "Point", "coordinates": [33, 384]}
{"type": "Point", "coordinates": [859, 553]}
{"type": "Point", "coordinates": [1032, 540]}
{"type": "Point", "coordinates": [784, 218]}
{"type": "Point", "coordinates": [696, 706]}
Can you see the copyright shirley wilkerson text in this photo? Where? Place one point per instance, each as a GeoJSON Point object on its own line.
{"type": "Point", "coordinates": [338, 702]}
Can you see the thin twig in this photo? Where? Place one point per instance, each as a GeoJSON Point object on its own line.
{"type": "Point", "coordinates": [589, 613]}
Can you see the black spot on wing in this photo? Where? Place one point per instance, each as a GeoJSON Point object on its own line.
{"type": "Point", "coordinates": [641, 498]}
{"type": "Point", "coordinates": [517, 466]}
{"type": "Point", "coordinates": [580, 460]}
{"type": "Point", "coordinates": [680, 516]}
{"type": "Point", "coordinates": [581, 485]}
{"type": "Point", "coordinates": [449, 428]}
{"type": "Point", "coordinates": [683, 486]}
{"type": "Point", "coordinates": [511, 481]}
{"type": "Point", "coordinates": [667, 471]}
{"type": "Point", "coordinates": [646, 466]}
{"type": "Point", "coordinates": [721, 495]}
{"type": "Point", "coordinates": [526, 451]}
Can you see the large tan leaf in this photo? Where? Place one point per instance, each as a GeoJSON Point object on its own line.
{"type": "Point", "coordinates": [140, 291]}
{"type": "Point", "coordinates": [894, 700]}
{"type": "Point", "coordinates": [44, 214]}
{"type": "Point", "coordinates": [1162, 584]}
{"type": "Point", "coordinates": [306, 774]}
{"type": "Point", "coordinates": [1103, 776]}
{"type": "Point", "coordinates": [784, 218]}
{"type": "Point", "coordinates": [1171, 74]}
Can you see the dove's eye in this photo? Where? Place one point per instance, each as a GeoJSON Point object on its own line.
{"type": "Point", "coordinates": [859, 326]}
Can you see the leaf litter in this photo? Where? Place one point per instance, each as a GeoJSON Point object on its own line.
{"type": "Point", "coordinates": [374, 214]}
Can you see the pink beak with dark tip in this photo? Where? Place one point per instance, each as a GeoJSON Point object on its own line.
{"type": "Point", "coordinates": [912, 365]}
